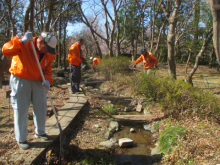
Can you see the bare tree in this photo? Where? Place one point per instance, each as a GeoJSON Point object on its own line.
{"type": "Point", "coordinates": [92, 25]}
{"type": "Point", "coordinates": [158, 40]}
{"type": "Point", "coordinates": [110, 29]}
{"type": "Point", "coordinates": [155, 14]}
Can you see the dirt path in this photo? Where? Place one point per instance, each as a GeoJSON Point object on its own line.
{"type": "Point", "coordinates": [59, 95]}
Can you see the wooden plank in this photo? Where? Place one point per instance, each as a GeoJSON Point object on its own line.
{"type": "Point", "coordinates": [133, 117]}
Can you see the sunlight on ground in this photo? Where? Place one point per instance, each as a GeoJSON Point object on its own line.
{"type": "Point", "coordinates": [204, 75]}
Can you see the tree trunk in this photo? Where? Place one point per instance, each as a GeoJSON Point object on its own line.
{"type": "Point", "coordinates": [196, 27]}
{"type": "Point", "coordinates": [59, 40]}
{"type": "Point", "coordinates": [133, 50]}
{"type": "Point", "coordinates": [56, 28]}
{"type": "Point", "coordinates": [32, 16]}
{"type": "Point", "coordinates": [214, 6]}
{"type": "Point", "coordinates": [47, 25]}
{"type": "Point", "coordinates": [97, 45]}
{"type": "Point", "coordinates": [64, 41]}
{"type": "Point", "coordinates": [26, 18]}
{"type": "Point", "coordinates": [143, 30]}
{"type": "Point", "coordinates": [118, 53]}
{"type": "Point", "coordinates": [171, 40]}
{"type": "Point", "coordinates": [111, 41]}
{"type": "Point", "coordinates": [3, 63]}
{"type": "Point", "coordinates": [41, 15]}
{"type": "Point", "coordinates": [158, 41]}
{"type": "Point", "coordinates": [211, 58]}
{"type": "Point", "coordinates": [10, 9]}
{"type": "Point", "coordinates": [154, 17]}
{"type": "Point", "coordinates": [196, 65]}
{"type": "Point", "coordinates": [187, 64]}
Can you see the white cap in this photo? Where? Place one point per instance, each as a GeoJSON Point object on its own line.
{"type": "Point", "coordinates": [50, 40]}
{"type": "Point", "coordinates": [90, 58]}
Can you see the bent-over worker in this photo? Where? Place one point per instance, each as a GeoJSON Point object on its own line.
{"type": "Point", "coordinates": [150, 62]}
{"type": "Point", "coordinates": [95, 62]}
{"type": "Point", "coordinates": [26, 81]}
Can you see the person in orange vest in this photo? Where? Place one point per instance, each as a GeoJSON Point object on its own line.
{"type": "Point", "coordinates": [26, 81]}
{"type": "Point", "coordinates": [75, 58]}
{"type": "Point", "coordinates": [95, 62]}
{"type": "Point", "coordinates": [150, 62]}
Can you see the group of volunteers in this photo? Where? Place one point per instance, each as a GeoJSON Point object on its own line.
{"type": "Point", "coordinates": [26, 81]}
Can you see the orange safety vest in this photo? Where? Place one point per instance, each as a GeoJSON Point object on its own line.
{"type": "Point", "coordinates": [151, 61]}
{"type": "Point", "coordinates": [24, 64]}
{"type": "Point", "coordinates": [74, 55]}
{"type": "Point", "coordinates": [95, 61]}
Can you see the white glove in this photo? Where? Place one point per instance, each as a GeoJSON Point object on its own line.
{"type": "Point", "coordinates": [47, 85]}
{"type": "Point", "coordinates": [144, 61]}
{"type": "Point", "coordinates": [27, 37]}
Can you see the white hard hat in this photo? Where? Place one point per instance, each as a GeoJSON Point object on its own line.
{"type": "Point", "coordinates": [90, 58]}
{"type": "Point", "coordinates": [50, 41]}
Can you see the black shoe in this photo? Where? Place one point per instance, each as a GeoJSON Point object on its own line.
{"type": "Point", "coordinates": [43, 137]}
{"type": "Point", "coordinates": [24, 145]}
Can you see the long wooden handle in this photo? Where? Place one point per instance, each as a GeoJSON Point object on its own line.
{"type": "Point", "coordinates": [43, 78]}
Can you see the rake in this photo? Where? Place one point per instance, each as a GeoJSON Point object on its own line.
{"type": "Point", "coordinates": [48, 93]}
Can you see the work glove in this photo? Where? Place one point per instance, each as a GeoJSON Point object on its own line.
{"type": "Point", "coordinates": [27, 37]}
{"type": "Point", "coordinates": [47, 85]}
{"type": "Point", "coordinates": [134, 65]}
{"type": "Point", "coordinates": [144, 61]}
{"type": "Point", "coordinates": [84, 62]}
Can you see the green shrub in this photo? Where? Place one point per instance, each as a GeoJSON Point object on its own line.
{"type": "Point", "coordinates": [169, 138]}
{"type": "Point", "coordinates": [109, 109]}
{"type": "Point", "coordinates": [110, 66]}
{"type": "Point", "coordinates": [176, 96]}
{"type": "Point", "coordinates": [149, 85]}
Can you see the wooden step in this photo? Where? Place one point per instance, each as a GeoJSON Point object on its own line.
{"type": "Point", "coordinates": [133, 117]}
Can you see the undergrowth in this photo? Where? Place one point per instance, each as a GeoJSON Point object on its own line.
{"type": "Point", "coordinates": [177, 97]}
{"type": "Point", "coordinates": [109, 109]}
{"type": "Point", "coordinates": [182, 102]}
{"type": "Point", "coordinates": [109, 67]}
{"type": "Point", "coordinates": [192, 133]}
{"type": "Point", "coordinates": [169, 137]}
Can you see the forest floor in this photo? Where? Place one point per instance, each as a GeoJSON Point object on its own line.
{"type": "Point", "coordinates": [84, 138]}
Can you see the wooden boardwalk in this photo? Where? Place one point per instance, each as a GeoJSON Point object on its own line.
{"type": "Point", "coordinates": [65, 115]}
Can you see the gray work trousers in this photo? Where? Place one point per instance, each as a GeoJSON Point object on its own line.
{"type": "Point", "coordinates": [24, 92]}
